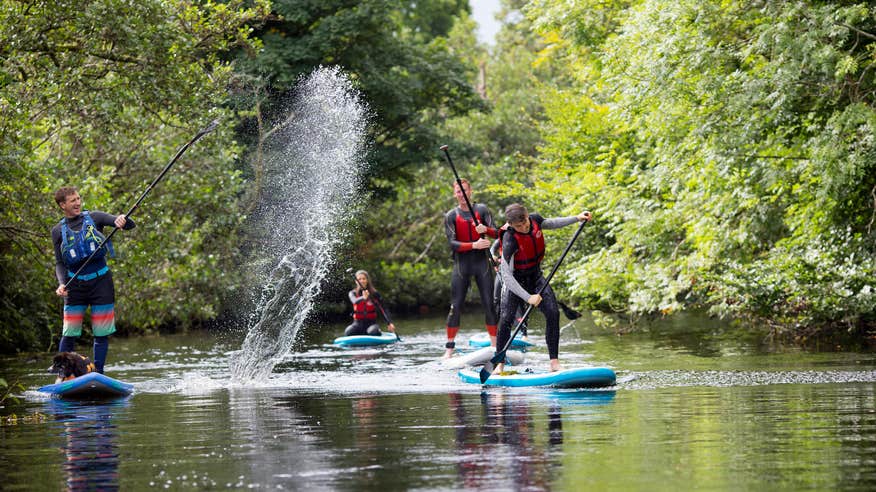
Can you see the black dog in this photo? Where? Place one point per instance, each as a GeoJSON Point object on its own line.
{"type": "Point", "coordinates": [69, 365]}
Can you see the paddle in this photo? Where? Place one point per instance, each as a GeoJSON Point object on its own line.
{"type": "Point", "coordinates": [490, 366]}
{"type": "Point", "coordinates": [465, 195]}
{"type": "Point", "coordinates": [377, 303]}
{"type": "Point", "coordinates": [570, 313]}
{"type": "Point", "coordinates": [209, 128]}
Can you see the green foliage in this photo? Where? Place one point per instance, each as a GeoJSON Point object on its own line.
{"type": "Point", "coordinates": [727, 151]}
{"type": "Point", "coordinates": [6, 390]}
{"type": "Point", "coordinates": [100, 95]}
{"type": "Point", "coordinates": [396, 53]}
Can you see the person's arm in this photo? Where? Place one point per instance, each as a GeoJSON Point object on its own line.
{"type": "Point", "coordinates": [487, 221]}
{"type": "Point", "coordinates": [506, 267]}
{"type": "Point", "coordinates": [103, 219]}
{"type": "Point", "coordinates": [355, 299]}
{"type": "Point", "coordinates": [60, 266]}
{"type": "Point", "coordinates": [558, 222]}
{"type": "Point", "coordinates": [494, 249]}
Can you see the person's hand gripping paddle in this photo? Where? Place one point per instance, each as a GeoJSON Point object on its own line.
{"type": "Point", "coordinates": [376, 303]}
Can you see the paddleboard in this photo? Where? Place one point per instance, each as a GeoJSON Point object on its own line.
{"type": "Point", "coordinates": [92, 385]}
{"type": "Point", "coordinates": [483, 340]}
{"type": "Point", "coordinates": [582, 377]}
{"type": "Point", "coordinates": [479, 357]}
{"type": "Point", "coordinates": [359, 340]}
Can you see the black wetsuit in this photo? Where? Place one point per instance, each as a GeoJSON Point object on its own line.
{"type": "Point", "coordinates": [467, 263]}
{"type": "Point", "coordinates": [520, 284]}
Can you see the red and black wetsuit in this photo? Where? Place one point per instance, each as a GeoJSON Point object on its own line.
{"type": "Point", "coordinates": [521, 272]}
{"type": "Point", "coordinates": [467, 263]}
{"type": "Point", "coordinates": [364, 314]}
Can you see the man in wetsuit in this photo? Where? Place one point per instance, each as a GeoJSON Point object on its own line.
{"type": "Point", "coordinates": [470, 259]}
{"type": "Point", "coordinates": [522, 252]}
{"type": "Point", "coordinates": [74, 238]}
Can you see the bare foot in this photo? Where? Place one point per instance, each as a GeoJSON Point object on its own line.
{"type": "Point", "coordinates": [555, 365]}
{"type": "Point", "coordinates": [448, 353]}
{"type": "Point", "coordinates": [500, 368]}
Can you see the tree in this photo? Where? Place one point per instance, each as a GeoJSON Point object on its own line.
{"type": "Point", "coordinates": [728, 149]}
{"type": "Point", "coordinates": [396, 52]}
{"type": "Point", "coordinates": [100, 94]}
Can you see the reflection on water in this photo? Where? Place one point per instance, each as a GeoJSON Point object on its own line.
{"type": "Point", "coordinates": [394, 419]}
{"type": "Point", "coordinates": [515, 440]}
{"type": "Point", "coordinates": [90, 447]}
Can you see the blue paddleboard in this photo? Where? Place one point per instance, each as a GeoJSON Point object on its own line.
{"type": "Point", "coordinates": [582, 377]}
{"type": "Point", "coordinates": [483, 340]}
{"type": "Point", "coordinates": [92, 385]}
{"type": "Point", "coordinates": [358, 340]}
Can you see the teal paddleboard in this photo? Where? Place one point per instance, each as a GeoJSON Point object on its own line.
{"type": "Point", "coordinates": [483, 340]}
{"type": "Point", "coordinates": [359, 340]}
{"type": "Point", "coordinates": [582, 377]}
{"type": "Point", "coordinates": [93, 385]}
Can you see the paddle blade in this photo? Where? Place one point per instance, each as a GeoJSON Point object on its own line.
{"type": "Point", "coordinates": [490, 365]}
{"type": "Point", "coordinates": [209, 128]}
{"type": "Point", "coordinates": [569, 312]}
{"type": "Point", "coordinates": [487, 371]}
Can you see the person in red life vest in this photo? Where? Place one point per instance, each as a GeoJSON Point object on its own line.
{"type": "Point", "coordinates": [367, 304]}
{"type": "Point", "coordinates": [470, 259]}
{"type": "Point", "coordinates": [498, 285]}
{"type": "Point", "coordinates": [522, 254]}
{"type": "Point", "coordinates": [74, 238]}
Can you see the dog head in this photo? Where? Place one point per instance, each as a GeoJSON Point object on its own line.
{"type": "Point", "coordinates": [69, 365]}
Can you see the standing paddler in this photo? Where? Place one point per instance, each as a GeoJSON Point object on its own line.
{"type": "Point", "coordinates": [76, 237]}
{"type": "Point", "coordinates": [465, 228]}
{"type": "Point", "coordinates": [523, 250]}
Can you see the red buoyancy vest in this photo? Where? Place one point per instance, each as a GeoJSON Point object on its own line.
{"type": "Point", "coordinates": [530, 248]}
{"type": "Point", "coordinates": [364, 309]}
{"type": "Point", "coordinates": [465, 229]}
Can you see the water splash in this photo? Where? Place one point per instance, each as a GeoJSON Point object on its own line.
{"type": "Point", "coordinates": [312, 171]}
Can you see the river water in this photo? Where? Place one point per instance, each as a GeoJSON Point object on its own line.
{"type": "Point", "coordinates": [699, 406]}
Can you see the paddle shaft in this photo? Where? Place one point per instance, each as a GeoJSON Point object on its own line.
{"type": "Point", "coordinates": [465, 196]}
{"type": "Point", "coordinates": [212, 126]}
{"type": "Point", "coordinates": [500, 356]}
{"type": "Point", "coordinates": [459, 183]}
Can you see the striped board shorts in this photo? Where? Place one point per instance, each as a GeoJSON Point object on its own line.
{"type": "Point", "coordinates": [99, 295]}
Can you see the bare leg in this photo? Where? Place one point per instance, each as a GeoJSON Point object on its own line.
{"type": "Point", "coordinates": [555, 365]}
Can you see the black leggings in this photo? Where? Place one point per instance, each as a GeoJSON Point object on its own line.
{"type": "Point", "coordinates": [548, 306]}
{"type": "Point", "coordinates": [465, 267]}
{"type": "Point", "coordinates": [362, 327]}
{"type": "Point", "coordinates": [497, 304]}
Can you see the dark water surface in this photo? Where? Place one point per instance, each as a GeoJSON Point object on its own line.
{"type": "Point", "coordinates": [699, 407]}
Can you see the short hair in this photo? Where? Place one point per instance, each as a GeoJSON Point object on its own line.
{"type": "Point", "coordinates": [515, 213]}
{"type": "Point", "coordinates": [63, 192]}
{"type": "Point", "coordinates": [463, 181]}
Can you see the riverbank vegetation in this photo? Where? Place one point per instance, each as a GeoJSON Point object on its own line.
{"type": "Point", "coordinates": [727, 151]}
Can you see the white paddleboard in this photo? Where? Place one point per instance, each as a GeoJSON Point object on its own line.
{"type": "Point", "coordinates": [480, 356]}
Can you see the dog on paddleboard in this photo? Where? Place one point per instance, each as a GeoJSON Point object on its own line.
{"type": "Point", "coordinates": [69, 365]}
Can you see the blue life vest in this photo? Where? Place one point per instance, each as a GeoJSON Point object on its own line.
{"type": "Point", "coordinates": [76, 246]}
